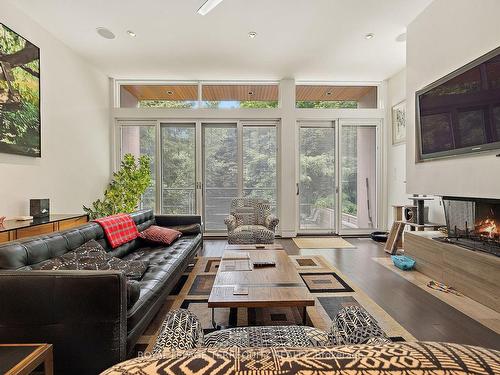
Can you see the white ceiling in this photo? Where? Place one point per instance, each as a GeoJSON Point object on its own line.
{"type": "Point", "coordinates": [302, 39]}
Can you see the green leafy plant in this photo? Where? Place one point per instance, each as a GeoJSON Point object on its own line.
{"type": "Point", "coordinates": [125, 190]}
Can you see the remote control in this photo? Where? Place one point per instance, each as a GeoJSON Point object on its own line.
{"type": "Point", "coordinates": [264, 264]}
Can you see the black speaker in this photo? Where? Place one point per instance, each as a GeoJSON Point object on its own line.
{"type": "Point", "coordinates": [39, 208]}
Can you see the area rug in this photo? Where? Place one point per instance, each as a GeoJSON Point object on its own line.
{"type": "Point", "coordinates": [322, 243]}
{"type": "Point", "coordinates": [331, 289]}
{"type": "Point", "coordinates": [325, 282]}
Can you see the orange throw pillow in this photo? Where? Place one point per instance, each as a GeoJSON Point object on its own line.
{"type": "Point", "coordinates": [160, 235]}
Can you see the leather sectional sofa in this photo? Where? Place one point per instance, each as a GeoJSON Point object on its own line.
{"type": "Point", "coordinates": [84, 314]}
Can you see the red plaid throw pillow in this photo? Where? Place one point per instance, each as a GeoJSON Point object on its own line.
{"type": "Point", "coordinates": [156, 234]}
{"type": "Point", "coordinates": [119, 229]}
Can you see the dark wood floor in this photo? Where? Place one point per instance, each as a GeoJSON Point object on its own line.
{"type": "Point", "coordinates": [423, 315]}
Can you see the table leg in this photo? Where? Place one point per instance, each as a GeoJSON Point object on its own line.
{"type": "Point", "coordinates": [214, 324]}
{"type": "Point", "coordinates": [48, 363]}
{"type": "Point", "coordinates": [304, 316]}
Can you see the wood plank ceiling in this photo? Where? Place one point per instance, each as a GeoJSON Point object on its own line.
{"type": "Point", "coordinates": [209, 92]}
{"type": "Point", "coordinates": [332, 93]}
{"type": "Point", "coordinates": [163, 92]}
{"type": "Point", "coordinates": [216, 92]}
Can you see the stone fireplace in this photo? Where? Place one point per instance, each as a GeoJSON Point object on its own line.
{"type": "Point", "coordinates": [473, 223]}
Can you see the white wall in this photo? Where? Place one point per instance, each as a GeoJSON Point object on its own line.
{"type": "Point", "coordinates": [445, 36]}
{"type": "Point", "coordinates": [75, 164]}
{"type": "Point", "coordinates": [396, 154]}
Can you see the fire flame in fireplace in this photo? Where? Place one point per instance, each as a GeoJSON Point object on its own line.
{"type": "Point", "coordinates": [488, 228]}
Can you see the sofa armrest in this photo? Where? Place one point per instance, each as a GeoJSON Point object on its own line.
{"type": "Point", "coordinates": [230, 222]}
{"type": "Point", "coordinates": [353, 325]}
{"type": "Point", "coordinates": [174, 220]}
{"type": "Point", "coordinates": [271, 222]}
{"type": "Point", "coordinates": [81, 313]}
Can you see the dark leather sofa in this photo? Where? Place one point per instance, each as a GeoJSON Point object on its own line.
{"type": "Point", "coordinates": [84, 314]}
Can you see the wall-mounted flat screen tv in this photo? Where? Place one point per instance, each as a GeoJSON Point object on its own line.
{"type": "Point", "coordinates": [460, 113]}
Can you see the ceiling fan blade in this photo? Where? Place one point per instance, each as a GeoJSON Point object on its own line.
{"type": "Point", "coordinates": [208, 6]}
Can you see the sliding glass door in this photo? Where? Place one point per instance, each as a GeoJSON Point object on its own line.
{"type": "Point", "coordinates": [317, 182]}
{"type": "Point", "coordinates": [139, 139]}
{"type": "Point", "coordinates": [178, 169]}
{"type": "Point", "coordinates": [358, 186]}
{"type": "Point", "coordinates": [239, 159]}
{"type": "Point", "coordinates": [259, 163]}
{"type": "Point", "coordinates": [337, 188]}
{"type": "Point", "coordinates": [220, 169]}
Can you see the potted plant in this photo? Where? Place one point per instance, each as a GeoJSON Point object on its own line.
{"type": "Point", "coordinates": [124, 193]}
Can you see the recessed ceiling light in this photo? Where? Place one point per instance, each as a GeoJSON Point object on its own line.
{"type": "Point", "coordinates": [170, 92]}
{"type": "Point", "coordinates": [131, 33]}
{"type": "Point", "coordinates": [105, 33]}
{"type": "Point", "coordinates": [251, 93]}
{"type": "Point", "coordinates": [401, 37]}
{"type": "Point", "coordinates": [252, 34]}
{"type": "Point", "coordinates": [369, 36]}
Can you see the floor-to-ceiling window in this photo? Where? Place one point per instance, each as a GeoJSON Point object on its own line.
{"type": "Point", "coordinates": [213, 141]}
{"type": "Point", "coordinates": [317, 180]}
{"type": "Point", "coordinates": [178, 168]}
{"type": "Point", "coordinates": [140, 139]}
{"type": "Point", "coordinates": [260, 163]}
{"type": "Point", "coordinates": [239, 159]}
{"type": "Point", "coordinates": [220, 170]}
{"type": "Point", "coordinates": [338, 176]}
{"type": "Point", "coordinates": [358, 173]}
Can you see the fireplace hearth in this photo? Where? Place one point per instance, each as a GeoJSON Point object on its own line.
{"type": "Point", "coordinates": [473, 223]}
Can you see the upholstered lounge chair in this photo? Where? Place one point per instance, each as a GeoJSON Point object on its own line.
{"type": "Point", "coordinates": [250, 222]}
{"type": "Point", "coordinates": [181, 329]}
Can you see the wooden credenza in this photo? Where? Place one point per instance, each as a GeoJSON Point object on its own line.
{"type": "Point", "coordinates": [14, 230]}
{"type": "Point", "coordinates": [473, 273]}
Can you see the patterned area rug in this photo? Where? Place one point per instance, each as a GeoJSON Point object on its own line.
{"type": "Point", "coordinates": [332, 290]}
{"type": "Point", "coordinates": [322, 243]}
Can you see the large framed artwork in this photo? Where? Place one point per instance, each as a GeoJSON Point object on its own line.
{"type": "Point", "coordinates": [19, 95]}
{"type": "Point", "coordinates": [399, 123]}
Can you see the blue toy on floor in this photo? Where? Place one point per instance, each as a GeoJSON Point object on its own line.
{"type": "Point", "coordinates": [403, 262]}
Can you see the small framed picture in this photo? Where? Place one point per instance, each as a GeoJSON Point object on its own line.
{"type": "Point", "coordinates": [399, 123]}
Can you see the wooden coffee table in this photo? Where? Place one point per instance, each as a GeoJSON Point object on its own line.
{"type": "Point", "coordinates": [279, 286]}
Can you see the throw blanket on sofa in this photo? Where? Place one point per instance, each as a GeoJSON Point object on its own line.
{"type": "Point", "coordinates": [119, 229]}
{"type": "Point", "coordinates": [424, 358]}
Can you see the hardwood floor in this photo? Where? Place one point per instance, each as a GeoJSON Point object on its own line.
{"type": "Point", "coordinates": [423, 315]}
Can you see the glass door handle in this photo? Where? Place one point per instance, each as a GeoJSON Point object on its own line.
{"type": "Point", "coordinates": [298, 189]}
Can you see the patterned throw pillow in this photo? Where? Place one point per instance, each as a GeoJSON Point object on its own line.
{"type": "Point", "coordinates": [91, 256]}
{"type": "Point", "coordinates": [160, 235]}
{"type": "Point", "coordinates": [188, 229]}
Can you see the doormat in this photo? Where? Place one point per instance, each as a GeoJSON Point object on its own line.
{"type": "Point", "coordinates": [322, 243]}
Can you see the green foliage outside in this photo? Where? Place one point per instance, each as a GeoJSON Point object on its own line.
{"type": "Point", "coordinates": [19, 96]}
{"type": "Point", "coordinates": [333, 104]}
{"type": "Point", "coordinates": [180, 104]}
{"type": "Point", "coordinates": [125, 190]}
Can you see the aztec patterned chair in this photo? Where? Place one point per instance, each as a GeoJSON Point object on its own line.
{"type": "Point", "coordinates": [250, 222]}
{"type": "Point", "coordinates": [181, 329]}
